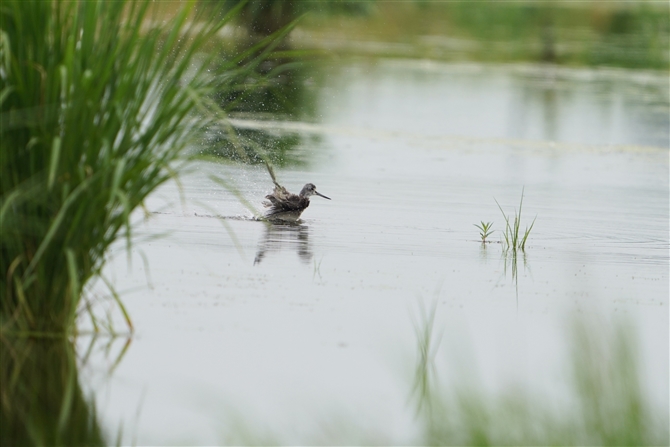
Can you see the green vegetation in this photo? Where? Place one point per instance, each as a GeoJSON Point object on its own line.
{"type": "Point", "coordinates": [604, 388]}
{"type": "Point", "coordinates": [591, 33]}
{"type": "Point", "coordinates": [97, 105]}
{"type": "Point", "coordinates": [42, 401]}
{"type": "Point", "coordinates": [484, 230]}
{"type": "Point", "coordinates": [514, 239]}
{"type": "Point", "coordinates": [265, 17]}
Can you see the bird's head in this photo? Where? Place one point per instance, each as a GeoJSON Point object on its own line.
{"type": "Point", "coordinates": [310, 190]}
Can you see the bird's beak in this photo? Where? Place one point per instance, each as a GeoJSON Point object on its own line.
{"type": "Point", "coordinates": [319, 194]}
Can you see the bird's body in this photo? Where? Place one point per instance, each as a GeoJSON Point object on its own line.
{"type": "Point", "coordinates": [283, 205]}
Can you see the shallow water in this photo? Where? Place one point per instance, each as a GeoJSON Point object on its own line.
{"type": "Point", "coordinates": [306, 333]}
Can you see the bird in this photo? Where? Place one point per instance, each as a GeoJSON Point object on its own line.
{"type": "Point", "coordinates": [285, 206]}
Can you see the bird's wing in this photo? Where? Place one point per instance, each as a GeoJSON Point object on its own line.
{"type": "Point", "coordinates": [272, 174]}
{"type": "Point", "coordinates": [291, 203]}
{"type": "Point", "coordinates": [278, 196]}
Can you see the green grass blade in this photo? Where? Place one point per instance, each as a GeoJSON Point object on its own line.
{"type": "Point", "coordinates": [68, 398]}
{"type": "Point", "coordinates": [525, 236]}
{"type": "Point", "coordinates": [118, 301]}
{"type": "Point", "coordinates": [53, 164]}
{"type": "Point", "coordinates": [74, 281]}
{"type": "Point", "coordinates": [55, 226]}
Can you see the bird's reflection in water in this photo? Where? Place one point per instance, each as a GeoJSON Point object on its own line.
{"type": "Point", "coordinates": [285, 235]}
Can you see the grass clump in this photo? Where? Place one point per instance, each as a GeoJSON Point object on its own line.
{"type": "Point", "coordinates": [514, 239]}
{"type": "Point", "coordinates": [97, 106]}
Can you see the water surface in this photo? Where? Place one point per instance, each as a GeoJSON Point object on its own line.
{"type": "Point", "coordinates": [306, 333]}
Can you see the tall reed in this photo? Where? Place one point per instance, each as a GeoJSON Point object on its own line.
{"type": "Point", "coordinates": [97, 106]}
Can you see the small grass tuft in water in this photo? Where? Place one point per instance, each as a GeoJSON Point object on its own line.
{"type": "Point", "coordinates": [515, 240]}
{"type": "Point", "coordinates": [484, 230]}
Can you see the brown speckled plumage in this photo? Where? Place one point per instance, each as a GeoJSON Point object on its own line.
{"type": "Point", "coordinates": [283, 205]}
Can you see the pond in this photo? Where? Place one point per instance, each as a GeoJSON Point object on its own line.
{"type": "Point", "coordinates": [249, 332]}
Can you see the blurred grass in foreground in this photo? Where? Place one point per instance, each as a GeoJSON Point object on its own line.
{"type": "Point", "coordinates": [42, 402]}
{"type": "Point", "coordinates": [591, 33]}
{"type": "Point", "coordinates": [605, 405]}
{"type": "Point", "coordinates": [98, 100]}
